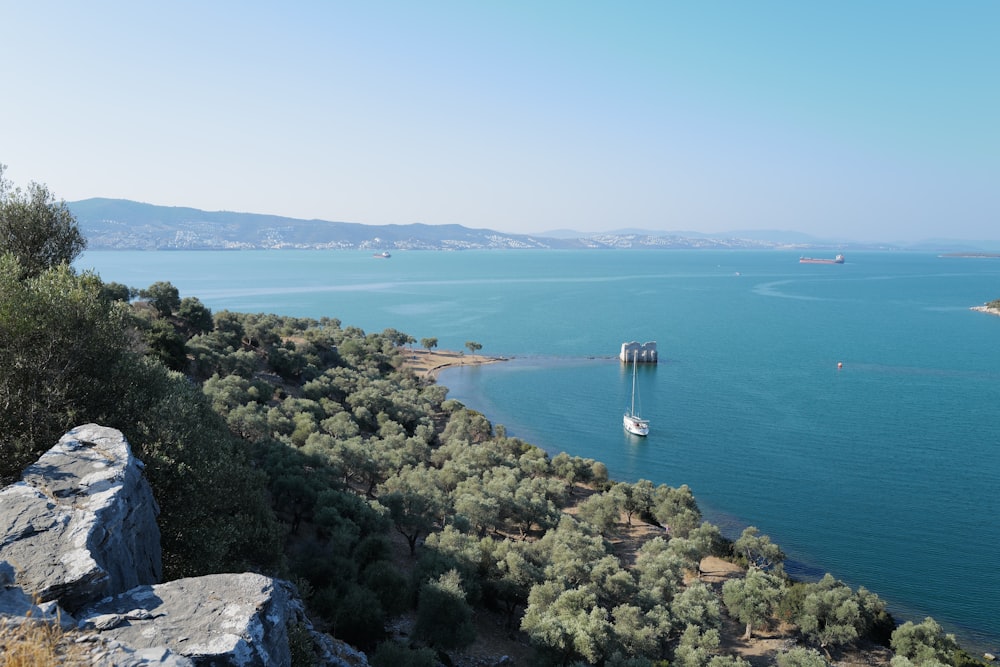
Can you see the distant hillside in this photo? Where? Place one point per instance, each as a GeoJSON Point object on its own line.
{"type": "Point", "coordinates": [122, 224]}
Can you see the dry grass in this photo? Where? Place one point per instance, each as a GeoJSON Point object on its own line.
{"type": "Point", "coordinates": [34, 643]}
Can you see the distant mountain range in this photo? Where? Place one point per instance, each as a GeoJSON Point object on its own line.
{"type": "Point", "coordinates": [122, 224]}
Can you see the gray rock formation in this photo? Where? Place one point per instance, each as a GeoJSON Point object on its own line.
{"type": "Point", "coordinates": [245, 616]}
{"type": "Point", "coordinates": [79, 531]}
{"type": "Point", "coordinates": [81, 524]}
{"type": "Point", "coordinates": [234, 619]}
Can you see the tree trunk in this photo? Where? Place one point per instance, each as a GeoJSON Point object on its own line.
{"type": "Point", "coordinates": [749, 633]}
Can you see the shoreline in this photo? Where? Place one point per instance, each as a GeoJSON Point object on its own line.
{"type": "Point", "coordinates": [987, 310]}
{"type": "Point", "coordinates": [428, 363]}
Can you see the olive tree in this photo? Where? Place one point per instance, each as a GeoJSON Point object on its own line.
{"type": "Point", "coordinates": [444, 618]}
{"type": "Point", "coordinates": [162, 296]}
{"type": "Point", "coordinates": [799, 656]}
{"type": "Point", "coordinates": [195, 314]}
{"type": "Point", "coordinates": [924, 643]}
{"type": "Point", "coordinates": [415, 503]}
{"type": "Point", "coordinates": [831, 614]}
{"type": "Point", "coordinates": [759, 551]}
{"type": "Point", "coordinates": [753, 598]}
{"type": "Point", "coordinates": [634, 499]}
{"type": "Point", "coordinates": [35, 228]}
{"type": "Point", "coordinates": [567, 624]}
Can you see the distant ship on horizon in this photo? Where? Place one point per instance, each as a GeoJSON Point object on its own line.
{"type": "Point", "coordinates": [839, 259]}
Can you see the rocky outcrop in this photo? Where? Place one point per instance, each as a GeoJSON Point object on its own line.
{"type": "Point", "coordinates": [243, 618]}
{"type": "Point", "coordinates": [81, 524]}
{"type": "Point", "coordinates": [81, 535]}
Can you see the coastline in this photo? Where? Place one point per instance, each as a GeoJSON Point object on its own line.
{"type": "Point", "coordinates": [428, 363]}
{"type": "Point", "coordinates": [986, 309]}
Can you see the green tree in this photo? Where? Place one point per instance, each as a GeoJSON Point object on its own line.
{"type": "Point", "coordinates": [117, 292]}
{"type": "Point", "coordinates": [676, 509]}
{"type": "Point", "coordinates": [697, 605]}
{"type": "Point", "coordinates": [799, 656]}
{"type": "Point", "coordinates": [696, 647]}
{"type": "Point", "coordinates": [213, 515]}
{"type": "Point", "coordinates": [41, 232]}
{"type": "Point", "coordinates": [358, 616]}
{"type": "Point", "coordinates": [389, 585]}
{"type": "Point", "coordinates": [570, 552]}
{"type": "Point", "coordinates": [753, 598]}
{"type": "Point", "coordinates": [428, 343]}
{"type": "Point", "coordinates": [473, 346]}
{"type": "Point", "coordinates": [758, 551]}
{"type": "Point", "coordinates": [444, 617]}
{"type": "Point", "coordinates": [511, 574]}
{"type": "Point", "coordinates": [640, 633]}
{"type": "Point", "coordinates": [660, 571]}
{"type": "Point", "coordinates": [601, 510]}
{"type": "Point", "coordinates": [567, 624]}
{"type": "Point", "coordinates": [64, 353]}
{"type": "Point", "coordinates": [831, 614]}
{"type": "Point", "coordinates": [166, 344]}
{"type": "Point", "coordinates": [634, 498]}
{"type": "Point", "coordinates": [877, 623]}
{"type": "Point", "coordinates": [925, 644]}
{"type": "Point", "coordinates": [414, 501]}
{"type": "Point", "coordinates": [196, 316]}
{"type": "Point", "coordinates": [163, 297]}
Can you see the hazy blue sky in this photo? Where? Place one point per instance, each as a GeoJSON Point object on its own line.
{"type": "Point", "coordinates": [868, 120]}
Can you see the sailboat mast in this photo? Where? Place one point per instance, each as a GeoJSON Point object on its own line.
{"type": "Point", "coordinates": [635, 364]}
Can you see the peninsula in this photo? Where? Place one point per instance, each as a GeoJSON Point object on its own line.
{"type": "Point", "coordinates": [428, 363]}
{"type": "Point", "coordinates": [992, 307]}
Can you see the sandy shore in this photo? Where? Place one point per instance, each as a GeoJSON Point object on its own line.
{"type": "Point", "coordinates": [987, 309]}
{"type": "Point", "coordinates": [429, 363]}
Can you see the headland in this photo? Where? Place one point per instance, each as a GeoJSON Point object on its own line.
{"type": "Point", "coordinates": [428, 363]}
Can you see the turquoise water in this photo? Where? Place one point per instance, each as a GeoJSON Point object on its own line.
{"type": "Point", "coordinates": [882, 473]}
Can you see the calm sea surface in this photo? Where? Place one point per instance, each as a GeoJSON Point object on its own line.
{"type": "Point", "coordinates": [883, 473]}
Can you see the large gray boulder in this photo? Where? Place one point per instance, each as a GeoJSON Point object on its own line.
{"type": "Point", "coordinates": [80, 530]}
{"type": "Point", "coordinates": [81, 525]}
{"type": "Point", "coordinates": [222, 619]}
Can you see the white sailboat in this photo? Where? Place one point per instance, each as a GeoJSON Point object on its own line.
{"type": "Point", "coordinates": [634, 424]}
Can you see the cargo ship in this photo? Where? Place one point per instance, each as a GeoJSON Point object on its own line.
{"type": "Point", "coordinates": [839, 259]}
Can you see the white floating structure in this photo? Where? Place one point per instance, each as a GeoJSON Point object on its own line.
{"type": "Point", "coordinates": [641, 353]}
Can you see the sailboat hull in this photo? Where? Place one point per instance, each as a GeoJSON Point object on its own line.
{"type": "Point", "coordinates": [635, 426]}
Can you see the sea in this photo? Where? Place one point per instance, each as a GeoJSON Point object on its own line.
{"type": "Point", "coordinates": [850, 412]}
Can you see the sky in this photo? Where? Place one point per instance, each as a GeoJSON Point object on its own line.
{"type": "Point", "coordinates": [848, 120]}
